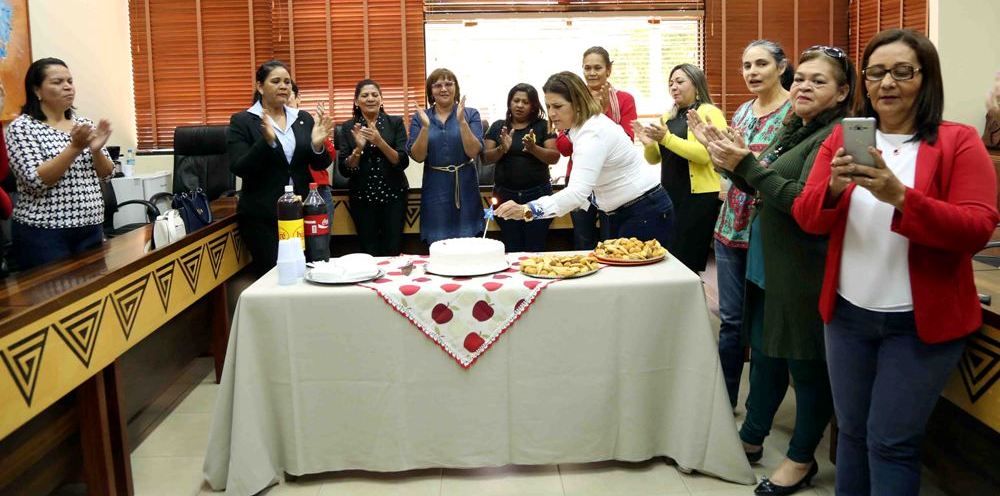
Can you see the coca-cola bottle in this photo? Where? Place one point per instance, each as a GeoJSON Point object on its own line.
{"type": "Point", "coordinates": [317, 226]}
{"type": "Point", "coordinates": [290, 216]}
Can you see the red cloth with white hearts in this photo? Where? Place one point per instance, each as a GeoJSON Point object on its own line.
{"type": "Point", "coordinates": [463, 315]}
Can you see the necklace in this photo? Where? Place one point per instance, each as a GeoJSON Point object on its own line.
{"type": "Point", "coordinates": [902, 145]}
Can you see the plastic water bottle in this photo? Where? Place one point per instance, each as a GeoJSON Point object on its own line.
{"type": "Point", "coordinates": [317, 226]}
{"type": "Point", "coordinates": [128, 170]}
{"type": "Point", "coordinates": [290, 223]}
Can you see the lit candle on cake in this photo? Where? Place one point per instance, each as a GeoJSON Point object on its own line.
{"type": "Point", "coordinates": [488, 214]}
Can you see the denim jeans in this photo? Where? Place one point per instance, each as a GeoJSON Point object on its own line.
{"type": "Point", "coordinates": [585, 231]}
{"type": "Point", "coordinates": [885, 382]}
{"type": "Point", "coordinates": [652, 217]}
{"type": "Point", "coordinates": [34, 246]}
{"type": "Point", "coordinates": [519, 235]}
{"type": "Point", "coordinates": [731, 268]}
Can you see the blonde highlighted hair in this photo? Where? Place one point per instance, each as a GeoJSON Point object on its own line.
{"type": "Point", "coordinates": [575, 91]}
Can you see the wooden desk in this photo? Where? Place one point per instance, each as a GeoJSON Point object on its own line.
{"type": "Point", "coordinates": [962, 445]}
{"type": "Point", "coordinates": [64, 326]}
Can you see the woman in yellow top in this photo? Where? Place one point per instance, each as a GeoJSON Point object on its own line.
{"type": "Point", "coordinates": [686, 170]}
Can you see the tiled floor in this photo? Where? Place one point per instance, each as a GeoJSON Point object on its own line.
{"type": "Point", "coordinates": [168, 463]}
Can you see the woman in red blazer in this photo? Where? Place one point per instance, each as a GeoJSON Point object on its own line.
{"type": "Point", "coordinates": [898, 294]}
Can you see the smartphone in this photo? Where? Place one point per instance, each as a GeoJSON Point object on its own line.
{"type": "Point", "coordinates": [859, 134]}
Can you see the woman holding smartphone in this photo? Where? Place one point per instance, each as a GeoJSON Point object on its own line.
{"type": "Point", "coordinates": [785, 267]}
{"type": "Point", "coordinates": [898, 294]}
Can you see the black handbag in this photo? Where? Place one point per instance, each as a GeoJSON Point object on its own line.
{"type": "Point", "coordinates": [194, 209]}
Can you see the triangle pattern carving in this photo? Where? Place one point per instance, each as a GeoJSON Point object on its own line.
{"type": "Point", "coordinates": [980, 366]}
{"type": "Point", "coordinates": [163, 276]}
{"type": "Point", "coordinates": [126, 301]}
{"type": "Point", "coordinates": [79, 330]}
{"type": "Point", "coordinates": [190, 263]}
{"type": "Point", "coordinates": [238, 244]}
{"type": "Point", "coordinates": [23, 360]}
{"type": "Point", "coordinates": [216, 250]}
{"type": "Point", "coordinates": [412, 211]}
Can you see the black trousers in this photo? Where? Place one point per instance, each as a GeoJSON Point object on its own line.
{"type": "Point", "coordinates": [261, 238]}
{"type": "Point", "coordinates": [379, 226]}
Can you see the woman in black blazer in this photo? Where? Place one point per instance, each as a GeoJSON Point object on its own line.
{"type": "Point", "coordinates": [371, 152]}
{"type": "Point", "coordinates": [271, 145]}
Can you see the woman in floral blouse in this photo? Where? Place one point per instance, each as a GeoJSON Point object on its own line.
{"type": "Point", "coordinates": [767, 73]}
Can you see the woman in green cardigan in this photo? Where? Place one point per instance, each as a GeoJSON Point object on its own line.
{"type": "Point", "coordinates": [785, 267]}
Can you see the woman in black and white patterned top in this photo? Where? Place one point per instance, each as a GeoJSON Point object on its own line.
{"type": "Point", "coordinates": [58, 160]}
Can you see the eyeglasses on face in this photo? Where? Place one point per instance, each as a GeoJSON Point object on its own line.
{"type": "Point", "coordinates": [443, 84]}
{"type": "Point", "coordinates": [902, 72]}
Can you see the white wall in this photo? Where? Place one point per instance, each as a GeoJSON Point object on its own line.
{"type": "Point", "coordinates": [92, 36]}
{"type": "Point", "coordinates": [967, 34]}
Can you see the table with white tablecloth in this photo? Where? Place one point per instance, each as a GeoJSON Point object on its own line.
{"type": "Point", "coordinates": [619, 365]}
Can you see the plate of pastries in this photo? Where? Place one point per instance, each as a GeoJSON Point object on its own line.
{"type": "Point", "coordinates": [629, 251]}
{"type": "Point", "coordinates": [554, 266]}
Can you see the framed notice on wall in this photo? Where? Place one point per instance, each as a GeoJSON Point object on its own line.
{"type": "Point", "coordinates": [15, 54]}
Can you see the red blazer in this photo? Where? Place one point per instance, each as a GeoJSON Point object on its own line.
{"type": "Point", "coordinates": [948, 215]}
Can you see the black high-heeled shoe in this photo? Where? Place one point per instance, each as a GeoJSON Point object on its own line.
{"type": "Point", "coordinates": [754, 456]}
{"type": "Point", "coordinates": [770, 488]}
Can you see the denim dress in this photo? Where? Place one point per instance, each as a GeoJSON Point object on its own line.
{"type": "Point", "coordinates": [448, 208]}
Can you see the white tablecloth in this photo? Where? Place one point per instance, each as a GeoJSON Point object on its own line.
{"type": "Point", "coordinates": [619, 365]}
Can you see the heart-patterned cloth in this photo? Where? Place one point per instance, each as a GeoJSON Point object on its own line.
{"type": "Point", "coordinates": [463, 315]}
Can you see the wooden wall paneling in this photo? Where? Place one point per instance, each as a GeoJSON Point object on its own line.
{"type": "Point", "coordinates": [712, 42]}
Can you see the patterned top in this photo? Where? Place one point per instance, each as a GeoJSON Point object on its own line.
{"type": "Point", "coordinates": [73, 201]}
{"type": "Point", "coordinates": [732, 227]}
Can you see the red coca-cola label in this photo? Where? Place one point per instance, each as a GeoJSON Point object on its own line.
{"type": "Point", "coordinates": [317, 225]}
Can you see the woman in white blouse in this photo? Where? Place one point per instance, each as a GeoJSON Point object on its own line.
{"type": "Point", "coordinates": [58, 159]}
{"type": "Point", "coordinates": [607, 170]}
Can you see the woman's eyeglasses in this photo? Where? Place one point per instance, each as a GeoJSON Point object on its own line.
{"type": "Point", "coordinates": [440, 85]}
{"type": "Point", "coordinates": [903, 72]}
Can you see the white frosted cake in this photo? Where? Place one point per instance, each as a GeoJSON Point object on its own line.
{"type": "Point", "coordinates": [466, 257]}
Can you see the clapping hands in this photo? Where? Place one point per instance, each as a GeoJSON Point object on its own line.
{"type": "Point", "coordinates": [322, 127]}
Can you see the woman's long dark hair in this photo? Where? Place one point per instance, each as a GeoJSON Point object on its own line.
{"type": "Point", "coordinates": [263, 71]}
{"type": "Point", "coordinates": [930, 101]}
{"type": "Point", "coordinates": [536, 111]}
{"type": "Point", "coordinates": [358, 117]}
{"type": "Point", "coordinates": [33, 80]}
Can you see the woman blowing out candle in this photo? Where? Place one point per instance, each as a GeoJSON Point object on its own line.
{"type": "Point", "coordinates": [631, 200]}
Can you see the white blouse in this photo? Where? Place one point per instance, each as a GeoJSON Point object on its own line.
{"type": "Point", "coordinates": [75, 200]}
{"type": "Point", "coordinates": [874, 268]}
{"type": "Point", "coordinates": [605, 163]}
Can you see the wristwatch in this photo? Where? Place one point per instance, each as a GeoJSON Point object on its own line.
{"type": "Point", "coordinates": [527, 214]}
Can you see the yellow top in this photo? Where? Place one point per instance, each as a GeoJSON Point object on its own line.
{"type": "Point", "coordinates": [704, 179]}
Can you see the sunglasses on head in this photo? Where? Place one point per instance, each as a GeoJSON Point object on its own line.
{"type": "Point", "coordinates": [829, 51]}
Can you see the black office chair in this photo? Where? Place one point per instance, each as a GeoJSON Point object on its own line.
{"type": "Point", "coordinates": [111, 206]}
{"type": "Point", "coordinates": [988, 260]}
{"type": "Point", "coordinates": [200, 161]}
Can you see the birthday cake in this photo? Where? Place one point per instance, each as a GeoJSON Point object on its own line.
{"type": "Point", "coordinates": [466, 257]}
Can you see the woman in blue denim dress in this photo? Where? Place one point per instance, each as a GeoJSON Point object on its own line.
{"type": "Point", "coordinates": [446, 137]}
